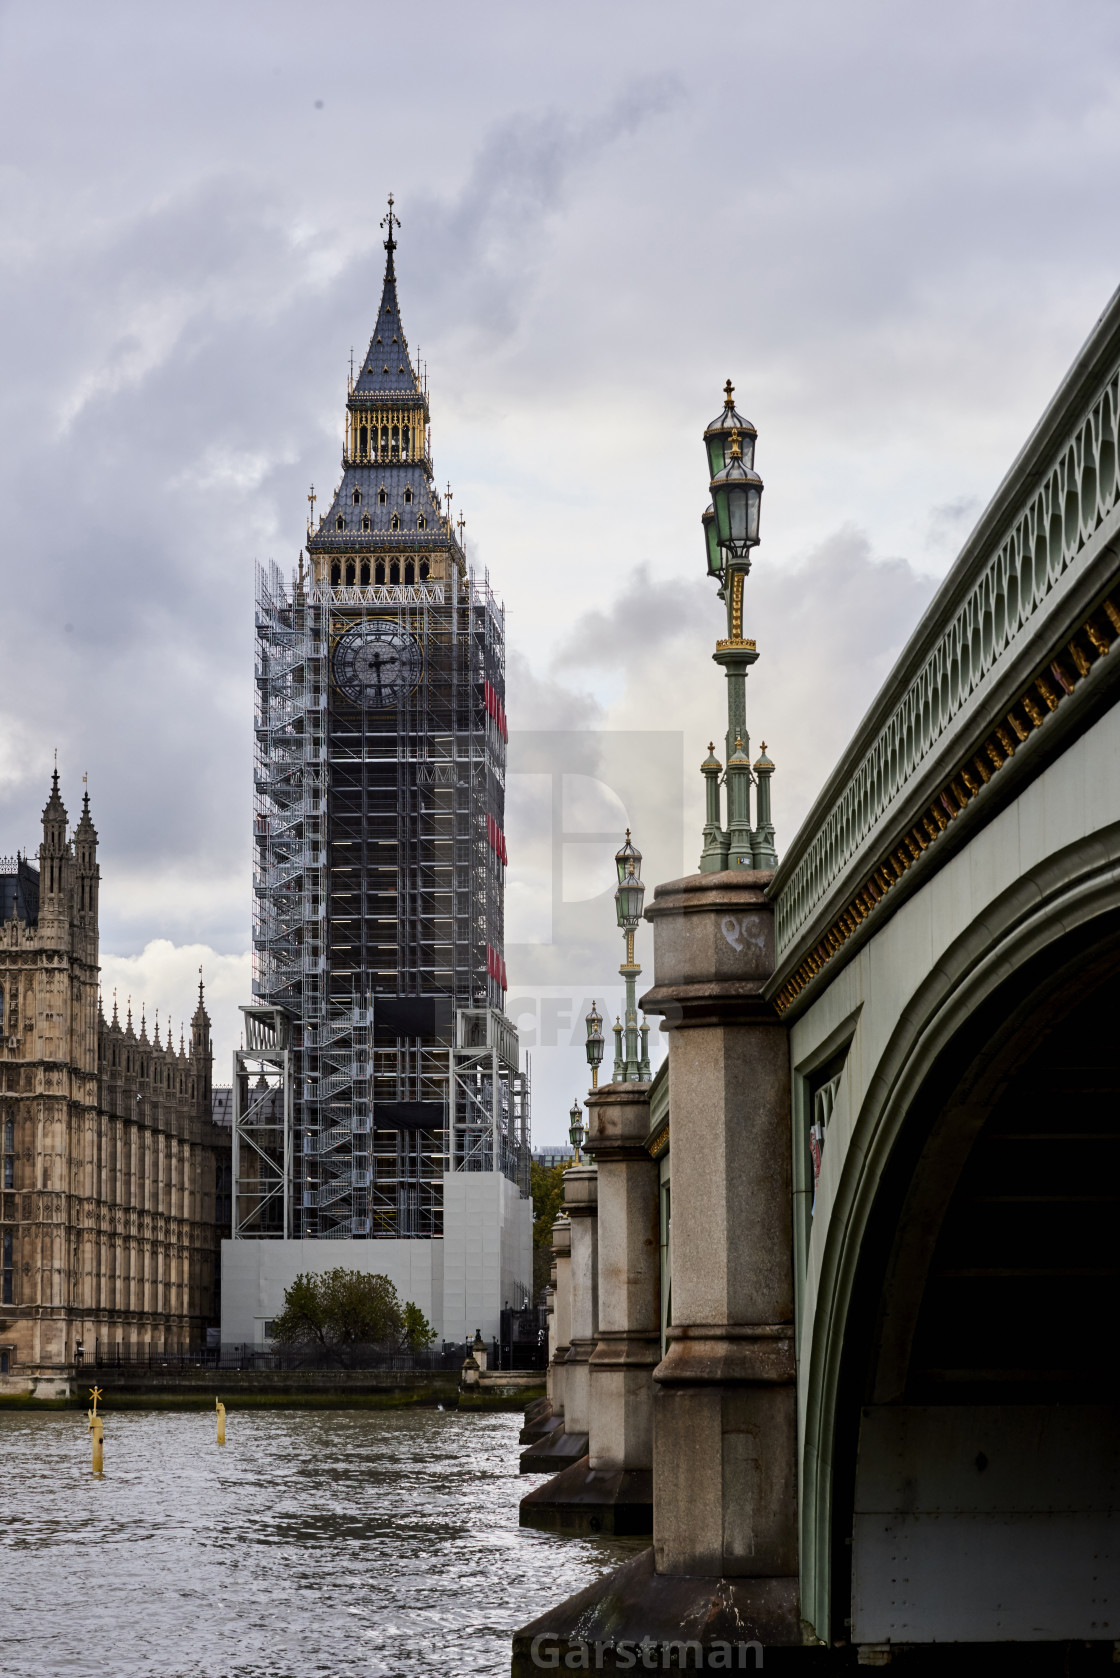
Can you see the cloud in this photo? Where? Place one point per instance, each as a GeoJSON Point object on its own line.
{"type": "Point", "coordinates": [828, 629]}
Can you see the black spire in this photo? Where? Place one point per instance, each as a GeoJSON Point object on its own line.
{"type": "Point", "coordinates": [389, 221]}
{"type": "Point", "coordinates": [387, 370]}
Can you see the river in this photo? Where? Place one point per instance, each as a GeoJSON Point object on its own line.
{"type": "Point", "coordinates": [314, 1544]}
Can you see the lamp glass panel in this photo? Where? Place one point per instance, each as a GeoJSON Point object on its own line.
{"type": "Point", "coordinates": [737, 512]}
{"type": "Point", "coordinates": [629, 899]}
{"type": "Point", "coordinates": [754, 501]}
{"type": "Point", "coordinates": [714, 445]}
{"type": "Point", "coordinates": [711, 542]}
{"type": "Point", "coordinates": [722, 521]}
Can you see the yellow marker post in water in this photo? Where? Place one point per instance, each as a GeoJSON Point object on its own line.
{"type": "Point", "coordinates": [221, 1421]}
{"type": "Point", "coordinates": [97, 1433]}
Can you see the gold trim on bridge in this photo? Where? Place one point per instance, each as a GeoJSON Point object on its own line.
{"type": "Point", "coordinates": [1058, 678]}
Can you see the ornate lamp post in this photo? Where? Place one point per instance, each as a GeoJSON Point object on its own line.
{"type": "Point", "coordinates": [594, 1022]}
{"type": "Point", "coordinates": [730, 528]}
{"type": "Point", "coordinates": [631, 1061]}
{"type": "Point", "coordinates": [577, 1135]}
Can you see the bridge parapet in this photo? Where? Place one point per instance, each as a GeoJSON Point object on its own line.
{"type": "Point", "coordinates": [1021, 623]}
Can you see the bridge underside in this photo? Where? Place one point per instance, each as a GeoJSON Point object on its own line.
{"type": "Point", "coordinates": [977, 1415]}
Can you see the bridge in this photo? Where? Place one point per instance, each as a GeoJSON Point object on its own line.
{"type": "Point", "coordinates": [884, 1416]}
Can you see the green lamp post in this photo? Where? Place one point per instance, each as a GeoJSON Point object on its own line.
{"type": "Point", "coordinates": [577, 1135]}
{"type": "Point", "coordinates": [631, 1051]}
{"type": "Point", "coordinates": [730, 526]}
{"type": "Point", "coordinates": [594, 1023]}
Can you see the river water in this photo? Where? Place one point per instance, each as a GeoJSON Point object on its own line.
{"type": "Point", "coordinates": [341, 1543]}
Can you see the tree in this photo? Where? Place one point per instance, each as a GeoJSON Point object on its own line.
{"type": "Point", "coordinates": [341, 1308]}
{"type": "Point", "coordinates": [418, 1331]}
{"type": "Point", "coordinates": [546, 1184]}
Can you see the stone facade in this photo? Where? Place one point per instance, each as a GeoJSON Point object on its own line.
{"type": "Point", "coordinates": [109, 1160]}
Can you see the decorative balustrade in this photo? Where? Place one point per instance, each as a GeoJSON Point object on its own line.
{"type": "Point", "coordinates": [1044, 524]}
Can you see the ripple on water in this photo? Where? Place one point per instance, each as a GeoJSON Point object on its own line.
{"type": "Point", "coordinates": [315, 1544]}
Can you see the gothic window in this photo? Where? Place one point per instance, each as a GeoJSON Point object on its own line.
{"type": "Point", "coordinates": [394, 340]}
{"type": "Point", "coordinates": [395, 522]}
{"type": "Point", "coordinates": [384, 442]}
{"type": "Point", "coordinates": [365, 521]}
{"type": "Point", "coordinates": [365, 573]}
{"type": "Point", "coordinates": [379, 571]}
{"type": "Point", "coordinates": [9, 1136]}
{"type": "Point", "coordinates": [340, 523]}
{"type": "Point", "coordinates": [406, 438]}
{"type": "Point", "coordinates": [423, 567]}
{"type": "Point", "coordinates": [381, 495]}
{"type": "Point", "coordinates": [363, 445]}
{"type": "Point", "coordinates": [394, 572]}
{"type": "Point", "coordinates": [408, 496]}
{"type": "Point", "coordinates": [421, 522]}
{"type": "Point", "coordinates": [357, 492]}
{"type": "Point", "coordinates": [371, 369]}
{"type": "Point", "coordinates": [409, 571]}
{"type": "Point", "coordinates": [336, 574]}
{"type": "Point", "coordinates": [349, 572]}
{"type": "Point", "coordinates": [395, 450]}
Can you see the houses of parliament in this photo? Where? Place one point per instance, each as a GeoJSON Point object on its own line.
{"type": "Point", "coordinates": [112, 1169]}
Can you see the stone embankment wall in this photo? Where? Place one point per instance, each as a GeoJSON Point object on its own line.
{"type": "Point", "coordinates": [321, 1388]}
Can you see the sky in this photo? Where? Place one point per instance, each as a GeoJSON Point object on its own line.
{"type": "Point", "coordinates": [892, 226]}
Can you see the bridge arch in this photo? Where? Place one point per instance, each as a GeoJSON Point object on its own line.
{"type": "Point", "coordinates": [892, 1500]}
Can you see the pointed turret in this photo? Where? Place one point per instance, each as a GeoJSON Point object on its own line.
{"type": "Point", "coordinates": [54, 821]}
{"type": "Point", "coordinates": [201, 1052]}
{"type": "Point", "coordinates": [387, 371]}
{"type": "Point", "coordinates": [200, 1026]}
{"type": "Point", "coordinates": [88, 874]}
{"type": "Point", "coordinates": [55, 862]}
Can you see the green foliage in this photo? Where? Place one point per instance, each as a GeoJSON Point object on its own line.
{"type": "Point", "coordinates": [344, 1308]}
{"type": "Point", "coordinates": [418, 1331]}
{"type": "Point", "coordinates": [546, 1184]}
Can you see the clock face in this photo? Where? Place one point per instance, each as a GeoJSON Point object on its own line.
{"type": "Point", "coordinates": [377, 663]}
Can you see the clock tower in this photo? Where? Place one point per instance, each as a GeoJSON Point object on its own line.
{"type": "Point", "coordinates": [378, 1100]}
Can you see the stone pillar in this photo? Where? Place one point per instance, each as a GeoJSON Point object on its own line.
{"type": "Point", "coordinates": [629, 1338]}
{"type": "Point", "coordinates": [725, 1561]}
{"type": "Point", "coordinates": [550, 1446]}
{"type": "Point", "coordinates": [725, 1413]}
{"type": "Point", "coordinates": [562, 1314]}
{"type": "Point", "coordinates": [581, 1205]}
{"type": "Point", "coordinates": [610, 1490]}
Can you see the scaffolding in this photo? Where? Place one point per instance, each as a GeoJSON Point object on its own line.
{"type": "Point", "coordinates": [378, 918]}
{"type": "Point", "coordinates": [262, 1127]}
